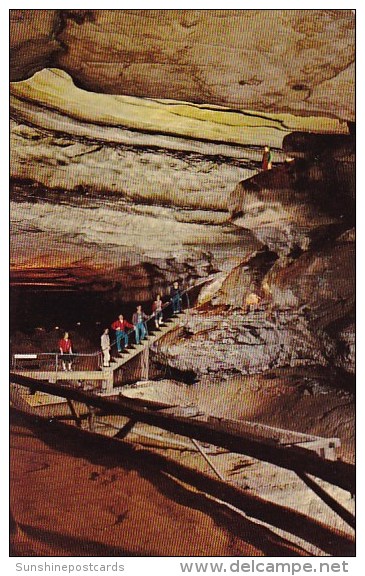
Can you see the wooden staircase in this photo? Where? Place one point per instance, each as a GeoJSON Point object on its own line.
{"type": "Point", "coordinates": [135, 350]}
{"type": "Point", "coordinates": [107, 376]}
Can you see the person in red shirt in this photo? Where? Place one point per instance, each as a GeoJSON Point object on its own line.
{"type": "Point", "coordinates": [267, 159]}
{"type": "Point", "coordinates": [65, 347]}
{"type": "Point", "coordinates": [120, 327]}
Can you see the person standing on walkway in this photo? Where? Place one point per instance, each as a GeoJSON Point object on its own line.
{"type": "Point", "coordinates": [139, 320]}
{"type": "Point", "coordinates": [65, 348]}
{"type": "Point", "coordinates": [267, 159]}
{"type": "Point", "coordinates": [252, 302]}
{"type": "Point", "coordinates": [105, 347]}
{"type": "Point", "coordinates": [175, 295]}
{"type": "Point", "coordinates": [120, 326]}
{"type": "Point", "coordinates": [157, 311]}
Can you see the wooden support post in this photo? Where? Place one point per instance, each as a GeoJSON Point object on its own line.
{"type": "Point", "coordinates": [107, 384]}
{"type": "Point", "coordinates": [123, 432]}
{"type": "Point", "coordinates": [207, 459]}
{"type": "Point", "coordinates": [328, 499]}
{"type": "Point", "coordinates": [74, 412]}
{"type": "Point", "coordinates": [145, 358]}
{"type": "Point", "coordinates": [91, 418]}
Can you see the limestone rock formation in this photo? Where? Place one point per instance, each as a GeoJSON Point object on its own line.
{"type": "Point", "coordinates": [296, 61]}
{"type": "Point", "coordinates": [133, 218]}
{"type": "Point", "coordinates": [322, 284]}
{"type": "Point", "coordinates": [303, 201]}
{"type": "Point", "coordinates": [282, 217]}
{"type": "Point", "coordinates": [119, 195]}
{"type": "Point", "coordinates": [221, 343]}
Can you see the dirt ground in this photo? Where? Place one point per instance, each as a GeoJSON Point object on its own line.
{"type": "Point", "coordinates": [69, 501]}
{"type": "Point", "coordinates": [71, 497]}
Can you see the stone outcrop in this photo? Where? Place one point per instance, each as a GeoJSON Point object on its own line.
{"type": "Point", "coordinates": [221, 343]}
{"type": "Point", "coordinates": [306, 200]}
{"type": "Point", "coordinates": [321, 283]}
{"type": "Point", "coordinates": [244, 280]}
{"type": "Point", "coordinates": [303, 280]}
{"type": "Point", "coordinates": [305, 317]}
{"type": "Point", "coordinates": [283, 218]}
{"type": "Point", "coordinates": [295, 61]}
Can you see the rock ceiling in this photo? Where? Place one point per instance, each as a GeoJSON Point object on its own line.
{"type": "Point", "coordinates": [285, 61]}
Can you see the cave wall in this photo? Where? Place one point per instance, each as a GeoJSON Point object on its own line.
{"type": "Point", "coordinates": [136, 214]}
{"type": "Point", "coordinates": [296, 61]}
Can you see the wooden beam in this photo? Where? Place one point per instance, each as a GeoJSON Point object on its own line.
{"type": "Point", "coordinates": [123, 432]}
{"type": "Point", "coordinates": [327, 498]}
{"type": "Point", "coordinates": [91, 418]}
{"type": "Point", "coordinates": [207, 459]}
{"type": "Point", "coordinates": [74, 412]}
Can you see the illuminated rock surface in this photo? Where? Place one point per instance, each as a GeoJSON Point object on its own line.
{"type": "Point", "coordinates": [301, 62]}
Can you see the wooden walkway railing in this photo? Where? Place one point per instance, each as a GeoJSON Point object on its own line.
{"type": "Point", "coordinates": [298, 455]}
{"type": "Point", "coordinates": [105, 376]}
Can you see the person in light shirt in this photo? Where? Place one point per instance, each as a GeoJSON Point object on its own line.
{"type": "Point", "coordinates": [139, 321]}
{"type": "Point", "coordinates": [157, 311]}
{"type": "Point", "coordinates": [105, 347]}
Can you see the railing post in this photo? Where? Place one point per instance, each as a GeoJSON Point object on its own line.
{"type": "Point", "coordinates": [56, 361]}
{"type": "Point", "coordinates": [145, 356]}
{"type": "Point", "coordinates": [187, 299]}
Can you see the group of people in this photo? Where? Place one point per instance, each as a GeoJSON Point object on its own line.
{"type": "Point", "coordinates": [139, 319]}
{"type": "Point", "coordinates": [121, 327]}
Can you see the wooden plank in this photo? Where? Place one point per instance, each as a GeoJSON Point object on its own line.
{"type": "Point", "coordinates": [329, 500]}
{"type": "Point", "coordinates": [271, 434]}
{"type": "Point", "coordinates": [52, 376]}
{"type": "Point", "coordinates": [137, 396]}
{"type": "Point", "coordinates": [257, 432]}
{"type": "Point", "coordinates": [184, 411]}
{"type": "Point", "coordinates": [207, 459]}
{"type": "Point", "coordinates": [42, 399]}
{"type": "Point", "coordinates": [336, 472]}
{"type": "Point", "coordinates": [324, 447]}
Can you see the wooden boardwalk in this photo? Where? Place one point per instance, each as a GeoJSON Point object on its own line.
{"type": "Point", "coordinates": [107, 376]}
{"type": "Point", "coordinates": [265, 444]}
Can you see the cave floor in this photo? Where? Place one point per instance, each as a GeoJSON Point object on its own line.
{"type": "Point", "coordinates": [131, 507]}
